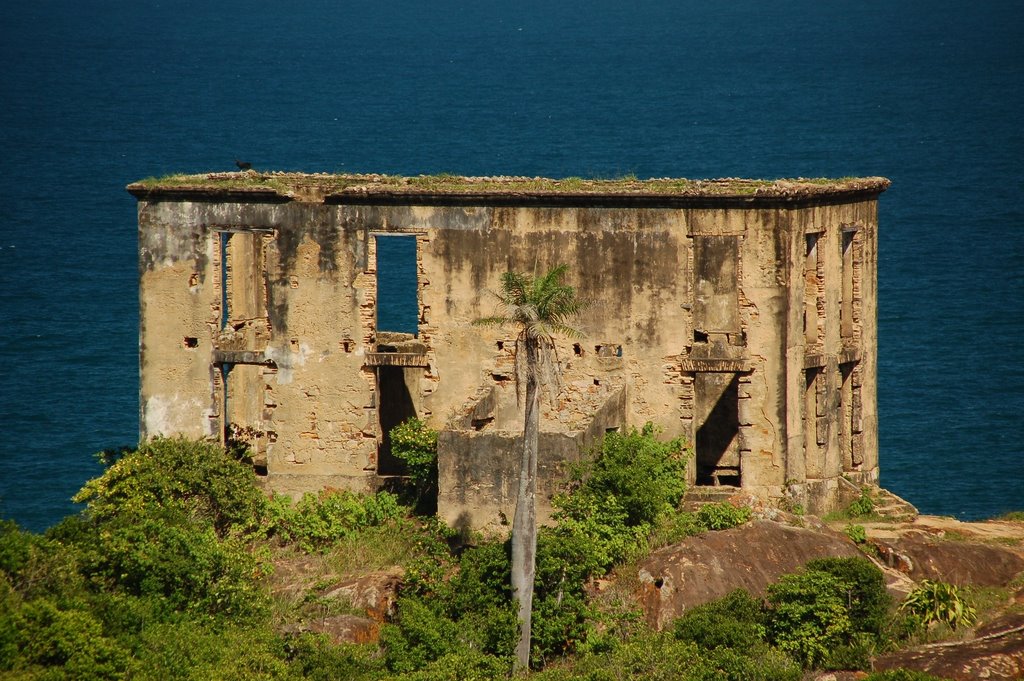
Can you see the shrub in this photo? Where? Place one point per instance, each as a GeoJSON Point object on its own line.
{"type": "Point", "coordinates": [808, 616]}
{"type": "Point", "coordinates": [734, 621]}
{"type": "Point", "coordinates": [594, 529]}
{"type": "Point", "coordinates": [9, 605]}
{"type": "Point", "coordinates": [646, 476]}
{"type": "Point", "coordinates": [196, 649]}
{"type": "Point", "coordinates": [864, 505]}
{"type": "Point", "coordinates": [15, 547]}
{"type": "Point", "coordinates": [660, 656]}
{"type": "Point", "coordinates": [722, 516]}
{"type": "Point", "coordinates": [857, 534]}
{"type": "Point", "coordinates": [470, 611]}
{"type": "Point", "coordinates": [673, 528]}
{"type": "Point", "coordinates": [159, 554]}
{"type": "Point", "coordinates": [416, 444]}
{"type": "Point", "coordinates": [939, 602]}
{"type": "Point", "coordinates": [867, 600]}
{"type": "Point", "coordinates": [70, 641]}
{"type": "Point", "coordinates": [197, 477]}
{"type": "Point", "coordinates": [465, 665]}
{"type": "Point", "coordinates": [850, 656]}
{"type": "Point", "coordinates": [314, 657]}
{"type": "Point", "coordinates": [319, 520]}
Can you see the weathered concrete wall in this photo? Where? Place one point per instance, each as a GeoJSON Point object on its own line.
{"type": "Point", "coordinates": [747, 326]}
{"type": "Point", "coordinates": [478, 472]}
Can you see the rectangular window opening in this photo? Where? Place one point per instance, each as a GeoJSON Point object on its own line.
{"type": "Point", "coordinates": [813, 292]}
{"type": "Point", "coordinates": [846, 308]}
{"type": "Point", "coordinates": [397, 284]}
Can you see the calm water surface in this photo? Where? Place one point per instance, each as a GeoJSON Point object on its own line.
{"type": "Point", "coordinates": [96, 94]}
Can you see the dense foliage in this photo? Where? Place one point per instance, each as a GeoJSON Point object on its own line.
{"type": "Point", "coordinates": [934, 602]}
{"type": "Point", "coordinates": [165, 574]}
{"type": "Point", "coordinates": [416, 444]}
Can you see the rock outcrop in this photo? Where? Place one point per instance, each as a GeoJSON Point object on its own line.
{"type": "Point", "coordinates": [339, 628]}
{"type": "Point", "coordinates": [996, 653]}
{"type": "Point", "coordinates": [703, 568]}
{"type": "Point", "coordinates": [956, 562]}
{"type": "Point", "coordinates": [374, 592]}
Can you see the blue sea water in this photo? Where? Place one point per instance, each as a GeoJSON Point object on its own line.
{"type": "Point", "coordinates": [95, 94]}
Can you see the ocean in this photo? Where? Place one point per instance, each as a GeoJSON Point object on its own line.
{"type": "Point", "coordinates": [96, 94]}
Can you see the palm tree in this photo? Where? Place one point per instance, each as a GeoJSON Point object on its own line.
{"type": "Point", "coordinates": [540, 307]}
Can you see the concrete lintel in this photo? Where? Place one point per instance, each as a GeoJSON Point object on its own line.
{"type": "Point", "coordinates": [849, 355]}
{"type": "Point", "coordinates": [240, 357]}
{"type": "Point", "coordinates": [814, 361]}
{"type": "Point", "coordinates": [396, 359]}
{"type": "Point", "coordinates": [734, 366]}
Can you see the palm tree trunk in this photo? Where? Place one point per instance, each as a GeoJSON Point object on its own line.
{"type": "Point", "coordinates": [524, 524]}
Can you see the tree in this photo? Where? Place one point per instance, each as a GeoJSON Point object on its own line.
{"type": "Point", "coordinates": [541, 307]}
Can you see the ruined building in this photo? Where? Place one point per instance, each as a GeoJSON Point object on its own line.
{"type": "Point", "coordinates": [740, 314]}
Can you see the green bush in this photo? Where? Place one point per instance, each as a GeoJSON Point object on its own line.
{"type": "Point", "coordinates": [465, 665]}
{"type": "Point", "coordinates": [864, 505]}
{"type": "Point", "coordinates": [939, 602]}
{"type": "Point", "coordinates": [319, 520]}
{"type": "Point", "coordinates": [661, 656]}
{"type": "Point", "coordinates": [416, 444]}
{"type": "Point", "coordinates": [159, 554]}
{"type": "Point", "coordinates": [857, 534]}
{"type": "Point", "coordinates": [867, 600]}
{"type": "Point", "coordinates": [734, 621]}
{"type": "Point", "coordinates": [646, 476]}
{"type": "Point", "coordinates": [9, 606]}
{"type": "Point", "coordinates": [850, 656]}
{"type": "Point", "coordinates": [197, 650]}
{"type": "Point", "coordinates": [197, 478]}
{"type": "Point", "coordinates": [722, 516]}
{"type": "Point", "coordinates": [595, 531]}
{"type": "Point", "coordinates": [70, 643]}
{"type": "Point", "coordinates": [470, 611]}
{"type": "Point", "coordinates": [808, 616]}
{"type": "Point", "coordinates": [314, 657]}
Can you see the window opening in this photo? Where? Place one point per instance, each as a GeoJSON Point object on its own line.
{"type": "Point", "coordinates": [224, 279]}
{"type": "Point", "coordinates": [815, 426]}
{"type": "Point", "coordinates": [397, 286]}
{"type": "Point", "coordinates": [812, 291]}
{"type": "Point", "coordinates": [846, 416]}
{"type": "Point", "coordinates": [846, 307]}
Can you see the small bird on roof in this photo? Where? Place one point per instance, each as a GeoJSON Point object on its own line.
{"type": "Point", "coordinates": [243, 165]}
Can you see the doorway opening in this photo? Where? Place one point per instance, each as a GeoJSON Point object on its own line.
{"type": "Point", "coordinates": [394, 405]}
{"type": "Point", "coordinates": [717, 438]}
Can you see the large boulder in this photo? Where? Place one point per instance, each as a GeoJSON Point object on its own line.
{"type": "Point", "coordinates": [374, 592]}
{"type": "Point", "coordinates": [706, 567]}
{"type": "Point", "coordinates": [997, 652]}
{"type": "Point", "coordinates": [957, 562]}
{"type": "Point", "coordinates": [339, 628]}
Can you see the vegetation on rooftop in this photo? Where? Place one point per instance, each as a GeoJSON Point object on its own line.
{"type": "Point", "coordinates": [325, 184]}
